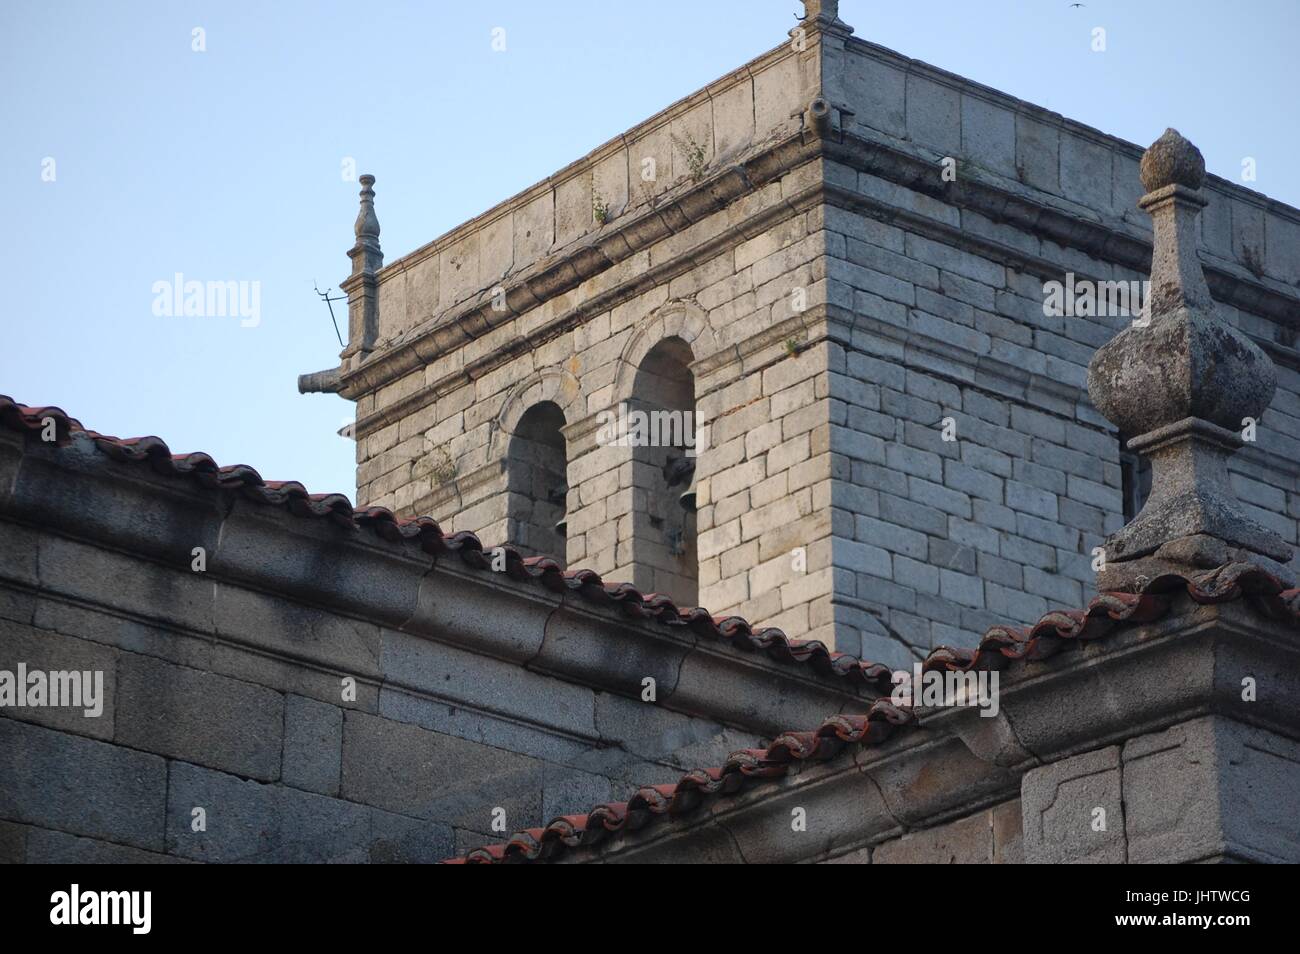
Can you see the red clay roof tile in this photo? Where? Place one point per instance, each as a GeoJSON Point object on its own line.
{"type": "Point", "coordinates": [425, 533]}
{"type": "Point", "coordinates": [999, 647]}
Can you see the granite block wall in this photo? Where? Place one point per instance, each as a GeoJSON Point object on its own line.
{"type": "Point", "coordinates": [308, 694]}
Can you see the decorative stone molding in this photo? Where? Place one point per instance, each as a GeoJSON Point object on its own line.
{"type": "Point", "coordinates": [1185, 384]}
{"type": "Point", "coordinates": [362, 285]}
{"type": "Point", "coordinates": [567, 268]}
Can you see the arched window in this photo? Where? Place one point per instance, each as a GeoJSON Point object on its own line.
{"type": "Point", "coordinates": [537, 482]}
{"type": "Point", "coordinates": [661, 431]}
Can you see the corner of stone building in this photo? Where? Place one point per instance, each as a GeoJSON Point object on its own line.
{"type": "Point", "coordinates": [1214, 779]}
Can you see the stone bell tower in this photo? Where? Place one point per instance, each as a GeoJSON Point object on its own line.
{"type": "Point", "coordinates": [828, 271]}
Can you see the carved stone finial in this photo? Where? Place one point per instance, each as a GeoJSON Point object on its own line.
{"type": "Point", "coordinates": [1172, 160]}
{"type": "Point", "coordinates": [367, 257]}
{"type": "Point", "coordinates": [362, 285]}
{"type": "Point", "coordinates": [1185, 385]}
{"type": "Point", "coordinates": [367, 226]}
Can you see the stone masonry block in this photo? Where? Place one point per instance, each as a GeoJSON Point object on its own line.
{"type": "Point", "coordinates": [1085, 171]}
{"type": "Point", "coordinates": [1073, 810]}
{"type": "Point", "coordinates": [185, 713]}
{"type": "Point", "coordinates": [82, 786]}
{"type": "Point", "coordinates": [45, 651]}
{"type": "Point", "coordinates": [412, 771]}
{"type": "Point", "coordinates": [877, 92]}
{"type": "Point", "coordinates": [45, 847]}
{"type": "Point", "coordinates": [313, 745]}
{"type": "Point", "coordinates": [1211, 789]}
{"type": "Point", "coordinates": [934, 114]}
{"type": "Point", "coordinates": [966, 841]}
{"type": "Point", "coordinates": [733, 118]}
{"type": "Point", "coordinates": [988, 134]}
{"type": "Point", "coordinates": [250, 822]}
{"type": "Point", "coordinates": [1038, 153]}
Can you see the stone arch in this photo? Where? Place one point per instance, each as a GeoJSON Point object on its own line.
{"type": "Point", "coordinates": [557, 385]}
{"type": "Point", "coordinates": [679, 318]}
{"type": "Point", "coordinates": [662, 451]}
{"type": "Point", "coordinates": [533, 521]}
{"type": "Point", "coordinates": [537, 481]}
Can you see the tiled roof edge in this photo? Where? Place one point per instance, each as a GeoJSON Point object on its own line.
{"type": "Point", "coordinates": [425, 533]}
{"type": "Point", "coordinates": [999, 647]}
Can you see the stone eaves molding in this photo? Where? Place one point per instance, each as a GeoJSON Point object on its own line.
{"type": "Point", "coordinates": [618, 241]}
{"type": "Point", "coordinates": [995, 197]}
{"type": "Point", "coordinates": [1060, 220]}
{"type": "Point", "coordinates": [1127, 665]}
{"type": "Point", "coordinates": [588, 163]}
{"type": "Point", "coordinates": [135, 497]}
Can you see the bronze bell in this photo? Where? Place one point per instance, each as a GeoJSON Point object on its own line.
{"type": "Point", "coordinates": [560, 497]}
{"type": "Point", "coordinates": [687, 498]}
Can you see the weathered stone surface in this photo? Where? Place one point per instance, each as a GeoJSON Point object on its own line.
{"type": "Point", "coordinates": [46, 652]}
{"type": "Point", "coordinates": [1167, 776]}
{"type": "Point", "coordinates": [45, 847]}
{"type": "Point", "coordinates": [313, 745]}
{"type": "Point", "coordinates": [1073, 810]}
{"type": "Point", "coordinates": [399, 839]}
{"type": "Point", "coordinates": [410, 770]}
{"type": "Point", "coordinates": [1008, 834]}
{"type": "Point", "coordinates": [247, 821]}
{"type": "Point", "coordinates": [859, 856]}
{"type": "Point", "coordinates": [967, 841]}
{"type": "Point", "coordinates": [184, 713]}
{"type": "Point", "coordinates": [107, 578]}
{"type": "Point", "coordinates": [82, 786]}
{"type": "Point", "coordinates": [470, 681]}
{"type": "Point", "coordinates": [13, 843]}
{"type": "Point", "coordinates": [1182, 383]}
{"type": "Point", "coordinates": [1172, 160]}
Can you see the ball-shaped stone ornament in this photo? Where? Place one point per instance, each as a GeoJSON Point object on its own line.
{"type": "Point", "coordinates": [1172, 160]}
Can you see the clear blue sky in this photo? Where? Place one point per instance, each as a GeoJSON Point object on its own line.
{"type": "Point", "coordinates": [225, 165]}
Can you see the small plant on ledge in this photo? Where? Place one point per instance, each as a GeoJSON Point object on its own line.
{"type": "Point", "coordinates": [442, 469]}
{"type": "Point", "coordinates": [599, 208]}
{"type": "Point", "coordinates": [693, 153]}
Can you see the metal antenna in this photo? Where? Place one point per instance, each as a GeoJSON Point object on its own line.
{"type": "Point", "coordinates": [325, 297]}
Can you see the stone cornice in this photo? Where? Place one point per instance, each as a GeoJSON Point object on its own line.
{"type": "Point", "coordinates": [996, 198]}
{"type": "Point", "coordinates": [969, 87]}
{"type": "Point", "coordinates": [558, 274]}
{"type": "Point", "coordinates": [1136, 681]}
{"type": "Point", "coordinates": [1064, 222]}
{"type": "Point", "coordinates": [1142, 679]}
{"type": "Point", "coordinates": [609, 148]}
{"type": "Point", "coordinates": [916, 780]}
{"type": "Point", "coordinates": [77, 493]}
